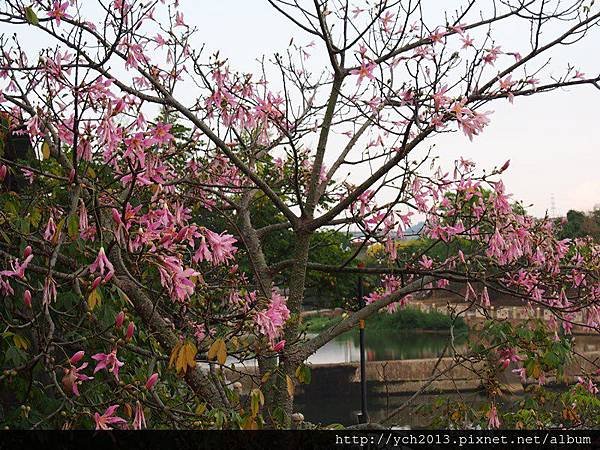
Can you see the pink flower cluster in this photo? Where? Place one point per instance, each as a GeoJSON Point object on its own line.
{"type": "Point", "coordinates": [271, 320]}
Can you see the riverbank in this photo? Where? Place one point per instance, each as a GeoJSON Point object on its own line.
{"type": "Point", "coordinates": [405, 320]}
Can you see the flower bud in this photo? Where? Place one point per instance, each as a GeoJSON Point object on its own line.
{"type": "Point", "coordinates": [279, 346]}
{"type": "Point", "coordinates": [151, 381]}
{"type": "Point", "coordinates": [119, 319]}
{"type": "Point", "coordinates": [96, 283]}
{"type": "Point", "coordinates": [77, 357]}
{"type": "Point", "coordinates": [116, 216]}
{"type": "Point", "coordinates": [3, 171]}
{"type": "Point", "coordinates": [28, 251]}
{"type": "Point", "coordinates": [130, 330]}
{"type": "Point", "coordinates": [27, 298]}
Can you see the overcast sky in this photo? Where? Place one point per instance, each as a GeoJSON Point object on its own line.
{"type": "Point", "coordinates": [551, 139]}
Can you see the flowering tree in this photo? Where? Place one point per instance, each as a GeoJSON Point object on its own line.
{"type": "Point", "coordinates": [121, 143]}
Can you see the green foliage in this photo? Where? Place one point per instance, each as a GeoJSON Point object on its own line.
{"type": "Point", "coordinates": [404, 320]}
{"type": "Point", "coordinates": [315, 324]}
{"type": "Point", "coordinates": [580, 224]}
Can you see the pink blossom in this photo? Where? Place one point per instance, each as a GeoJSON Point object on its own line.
{"type": "Point", "coordinates": [467, 41]}
{"type": "Point", "coordinates": [179, 20]}
{"type": "Point", "coordinates": [3, 171]}
{"type": "Point", "coordinates": [425, 262]}
{"type": "Point", "coordinates": [162, 133]}
{"type": "Point", "coordinates": [271, 320]}
{"type": "Point", "coordinates": [203, 253]}
{"type": "Point", "coordinates": [109, 362]}
{"type": "Point", "coordinates": [50, 229]}
{"type": "Point", "coordinates": [492, 415]}
{"type": "Point", "coordinates": [104, 421]}
{"type": "Point", "coordinates": [588, 384]}
{"type": "Point", "coordinates": [491, 55]}
{"type": "Point", "coordinates": [28, 174]}
{"type": "Point", "coordinates": [49, 293]}
{"type": "Point", "coordinates": [356, 12]}
{"type": "Point", "coordinates": [177, 279]}
{"type": "Point", "coordinates": [485, 298]}
{"type": "Point", "coordinates": [364, 71]}
{"type": "Point", "coordinates": [507, 356]}
{"type": "Point", "coordinates": [73, 378]}
{"type": "Point", "coordinates": [139, 420]}
{"type": "Point", "coordinates": [439, 99]}
{"type": "Point", "coordinates": [59, 11]}
{"type": "Point", "coordinates": [437, 35]}
{"type": "Point", "coordinates": [222, 246]}
{"type": "Point", "coordinates": [101, 264]}
{"type": "Point", "coordinates": [522, 373]}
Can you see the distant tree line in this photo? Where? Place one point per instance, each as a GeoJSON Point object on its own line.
{"type": "Point", "coordinates": [578, 224]}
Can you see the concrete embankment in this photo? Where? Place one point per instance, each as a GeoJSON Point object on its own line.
{"type": "Point", "coordinates": [409, 376]}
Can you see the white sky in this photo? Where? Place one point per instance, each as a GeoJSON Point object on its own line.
{"type": "Point", "coordinates": [552, 140]}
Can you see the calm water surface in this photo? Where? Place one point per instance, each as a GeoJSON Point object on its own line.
{"type": "Point", "coordinates": [385, 346]}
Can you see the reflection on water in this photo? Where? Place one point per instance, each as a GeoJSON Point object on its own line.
{"type": "Point", "coordinates": [385, 346]}
{"type": "Point", "coordinates": [339, 402]}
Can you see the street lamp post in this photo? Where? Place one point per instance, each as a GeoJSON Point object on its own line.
{"type": "Point", "coordinates": [363, 417]}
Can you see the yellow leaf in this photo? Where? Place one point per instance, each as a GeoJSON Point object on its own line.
{"type": "Point", "coordinates": [249, 424]}
{"type": "Point", "coordinates": [254, 403]}
{"type": "Point", "coordinates": [536, 371]}
{"type": "Point", "coordinates": [200, 409]}
{"type": "Point", "coordinates": [20, 342]}
{"type": "Point", "coordinates": [190, 354]}
{"type": "Point", "coordinates": [290, 385]}
{"type": "Point", "coordinates": [257, 399]}
{"type": "Point", "coordinates": [45, 150]}
{"type": "Point", "coordinates": [94, 299]}
{"type": "Point", "coordinates": [218, 350]}
{"type": "Point", "coordinates": [128, 410]}
{"type": "Point", "coordinates": [212, 351]}
{"type": "Point", "coordinates": [91, 173]}
{"type": "Point", "coordinates": [181, 364]}
{"type": "Point", "coordinates": [222, 353]}
{"type": "Point", "coordinates": [183, 356]}
{"type": "Point", "coordinates": [174, 353]}
{"type": "Point", "coordinates": [59, 228]}
{"type": "Point", "coordinates": [265, 377]}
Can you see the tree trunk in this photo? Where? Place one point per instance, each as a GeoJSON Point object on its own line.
{"type": "Point", "coordinates": [289, 361]}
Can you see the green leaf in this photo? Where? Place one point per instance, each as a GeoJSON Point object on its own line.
{"type": "Point", "coordinates": [14, 355]}
{"type": "Point", "coordinates": [35, 217]}
{"type": "Point", "coordinates": [73, 226]}
{"type": "Point", "coordinates": [31, 16]}
{"type": "Point", "coordinates": [303, 374]}
{"type": "Point", "coordinates": [25, 225]}
{"type": "Point", "coordinates": [256, 401]}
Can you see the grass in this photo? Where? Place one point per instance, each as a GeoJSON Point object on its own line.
{"type": "Point", "coordinates": [407, 319]}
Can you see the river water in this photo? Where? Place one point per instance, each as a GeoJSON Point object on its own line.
{"type": "Point", "coordinates": [340, 403]}
{"type": "Point", "coordinates": [385, 346]}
